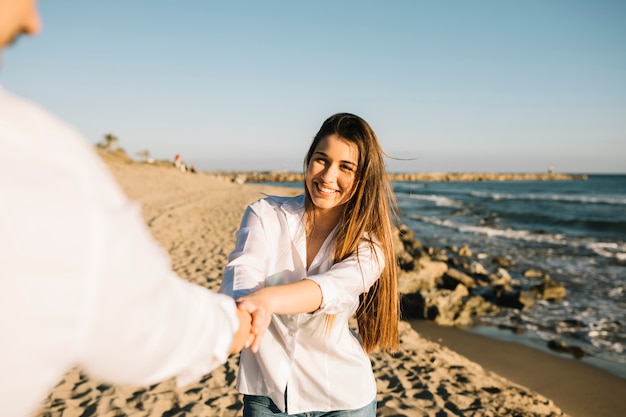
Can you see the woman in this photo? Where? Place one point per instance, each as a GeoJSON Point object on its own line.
{"type": "Point", "coordinates": [303, 266]}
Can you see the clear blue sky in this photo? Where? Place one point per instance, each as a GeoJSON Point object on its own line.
{"type": "Point", "coordinates": [507, 86]}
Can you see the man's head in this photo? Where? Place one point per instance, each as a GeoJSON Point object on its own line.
{"type": "Point", "coordinates": [17, 17]}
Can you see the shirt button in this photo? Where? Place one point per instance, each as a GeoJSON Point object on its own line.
{"type": "Point", "coordinates": [290, 334]}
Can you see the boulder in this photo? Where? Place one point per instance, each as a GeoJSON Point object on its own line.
{"type": "Point", "coordinates": [442, 306]}
{"type": "Point", "coordinates": [562, 347]}
{"type": "Point", "coordinates": [533, 273]}
{"type": "Point", "coordinates": [465, 251]}
{"type": "Point", "coordinates": [453, 277]}
{"type": "Point", "coordinates": [501, 277]}
{"type": "Point", "coordinates": [550, 290]}
{"type": "Point", "coordinates": [476, 268]}
{"type": "Point", "coordinates": [520, 300]}
{"type": "Point", "coordinates": [425, 276]}
{"type": "Point", "coordinates": [502, 262]}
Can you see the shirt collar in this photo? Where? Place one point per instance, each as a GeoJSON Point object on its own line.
{"type": "Point", "coordinates": [290, 205]}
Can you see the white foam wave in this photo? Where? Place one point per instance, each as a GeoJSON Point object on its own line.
{"type": "Point", "coordinates": [525, 235]}
{"type": "Point", "coordinates": [609, 249]}
{"type": "Point", "coordinates": [553, 197]}
{"type": "Point", "coordinates": [438, 200]}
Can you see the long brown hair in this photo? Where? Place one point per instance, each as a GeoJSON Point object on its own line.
{"type": "Point", "coordinates": [368, 213]}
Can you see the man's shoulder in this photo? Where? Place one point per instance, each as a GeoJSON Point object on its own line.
{"type": "Point", "coordinates": [36, 143]}
{"type": "Point", "coordinates": [19, 110]}
{"type": "Point", "coordinates": [28, 126]}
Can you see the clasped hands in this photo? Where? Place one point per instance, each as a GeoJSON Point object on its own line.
{"type": "Point", "coordinates": [254, 314]}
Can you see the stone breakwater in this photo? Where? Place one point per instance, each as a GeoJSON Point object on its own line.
{"type": "Point", "coordinates": [289, 176]}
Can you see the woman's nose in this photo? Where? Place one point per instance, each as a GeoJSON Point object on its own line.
{"type": "Point", "coordinates": [330, 174]}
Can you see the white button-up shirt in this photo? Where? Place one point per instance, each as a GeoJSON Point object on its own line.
{"type": "Point", "coordinates": [322, 369]}
{"type": "Point", "coordinates": [82, 282]}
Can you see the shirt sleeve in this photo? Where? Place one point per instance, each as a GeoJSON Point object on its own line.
{"type": "Point", "coordinates": [248, 263]}
{"type": "Point", "coordinates": [144, 324]}
{"type": "Point", "coordinates": [342, 284]}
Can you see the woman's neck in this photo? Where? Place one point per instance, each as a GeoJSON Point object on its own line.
{"type": "Point", "coordinates": [322, 222]}
{"type": "Point", "coordinates": [318, 226]}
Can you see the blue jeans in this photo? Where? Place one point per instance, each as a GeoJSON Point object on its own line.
{"type": "Point", "coordinates": [259, 406]}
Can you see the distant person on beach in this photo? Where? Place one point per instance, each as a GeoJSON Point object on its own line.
{"type": "Point", "coordinates": [303, 266]}
{"type": "Point", "coordinates": [83, 282]}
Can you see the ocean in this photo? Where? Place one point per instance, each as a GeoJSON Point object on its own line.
{"type": "Point", "coordinates": [574, 231]}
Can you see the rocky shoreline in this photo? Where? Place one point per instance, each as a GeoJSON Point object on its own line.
{"type": "Point", "coordinates": [290, 176]}
{"type": "Point", "coordinates": [454, 287]}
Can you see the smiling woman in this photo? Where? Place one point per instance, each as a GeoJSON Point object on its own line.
{"type": "Point", "coordinates": [303, 266]}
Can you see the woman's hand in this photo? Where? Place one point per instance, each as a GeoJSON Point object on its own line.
{"type": "Point", "coordinates": [258, 305]}
{"type": "Point", "coordinates": [304, 296]}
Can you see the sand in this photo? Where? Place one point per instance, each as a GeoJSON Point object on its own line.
{"type": "Point", "coordinates": [194, 217]}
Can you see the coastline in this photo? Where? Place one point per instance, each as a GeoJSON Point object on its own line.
{"type": "Point", "coordinates": [292, 176]}
{"type": "Point", "coordinates": [194, 217]}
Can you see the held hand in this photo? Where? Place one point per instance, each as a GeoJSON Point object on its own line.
{"type": "Point", "coordinates": [261, 313]}
{"type": "Point", "coordinates": [243, 337]}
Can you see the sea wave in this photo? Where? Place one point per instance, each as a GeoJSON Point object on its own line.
{"type": "Point", "coordinates": [610, 250]}
{"type": "Point", "coordinates": [439, 200]}
{"type": "Point", "coordinates": [553, 197]}
{"type": "Point", "coordinates": [526, 235]}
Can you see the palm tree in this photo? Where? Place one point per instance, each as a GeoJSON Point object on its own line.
{"type": "Point", "coordinates": [110, 142]}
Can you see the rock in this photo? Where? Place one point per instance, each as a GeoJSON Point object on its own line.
{"type": "Point", "coordinates": [453, 277]}
{"type": "Point", "coordinates": [465, 251]}
{"type": "Point", "coordinates": [425, 276]}
{"type": "Point", "coordinates": [440, 255]}
{"type": "Point", "coordinates": [500, 277]}
{"type": "Point", "coordinates": [406, 245]}
{"type": "Point", "coordinates": [410, 242]}
{"type": "Point", "coordinates": [520, 300]}
{"type": "Point", "coordinates": [502, 262]}
{"type": "Point", "coordinates": [550, 291]}
{"type": "Point", "coordinates": [405, 233]}
{"type": "Point", "coordinates": [562, 347]}
{"type": "Point", "coordinates": [476, 268]}
{"type": "Point", "coordinates": [444, 307]}
{"type": "Point", "coordinates": [415, 306]}
{"type": "Point", "coordinates": [533, 273]}
{"type": "Point", "coordinates": [478, 306]}
{"type": "Point", "coordinates": [406, 262]}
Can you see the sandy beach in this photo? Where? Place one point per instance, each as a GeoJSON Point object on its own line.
{"type": "Point", "coordinates": [195, 216]}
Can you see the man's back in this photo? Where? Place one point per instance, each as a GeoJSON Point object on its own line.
{"type": "Point", "coordinates": [83, 282]}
